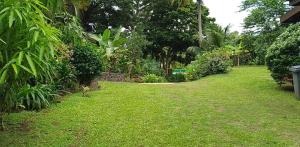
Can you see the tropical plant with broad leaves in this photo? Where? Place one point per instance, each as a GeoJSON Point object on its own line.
{"type": "Point", "coordinates": [111, 44]}
{"type": "Point", "coordinates": [27, 43]}
{"type": "Point", "coordinates": [108, 42]}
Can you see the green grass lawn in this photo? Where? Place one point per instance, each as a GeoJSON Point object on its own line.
{"type": "Point", "coordinates": [242, 108]}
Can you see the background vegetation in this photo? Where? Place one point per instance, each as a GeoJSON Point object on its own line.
{"type": "Point", "coordinates": [52, 47]}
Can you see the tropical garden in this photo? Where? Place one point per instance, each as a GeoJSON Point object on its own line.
{"type": "Point", "coordinates": [146, 73]}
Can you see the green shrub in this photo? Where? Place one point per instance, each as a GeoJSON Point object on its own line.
{"type": "Point", "coordinates": [87, 63]}
{"type": "Point", "coordinates": [65, 78]}
{"type": "Point", "coordinates": [152, 78]}
{"type": "Point", "coordinates": [177, 78]}
{"type": "Point", "coordinates": [151, 66]}
{"type": "Point", "coordinates": [36, 97]}
{"type": "Point", "coordinates": [284, 53]}
{"type": "Point", "coordinates": [215, 62]}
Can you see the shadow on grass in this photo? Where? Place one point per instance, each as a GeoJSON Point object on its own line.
{"type": "Point", "coordinates": [287, 87]}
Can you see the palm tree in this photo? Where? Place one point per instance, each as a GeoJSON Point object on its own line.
{"type": "Point", "coordinates": [199, 2]}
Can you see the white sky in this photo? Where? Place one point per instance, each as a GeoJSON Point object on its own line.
{"type": "Point", "coordinates": [227, 12]}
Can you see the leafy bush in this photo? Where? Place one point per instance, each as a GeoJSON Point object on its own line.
{"type": "Point", "coordinates": [215, 62]}
{"type": "Point", "coordinates": [177, 78]}
{"type": "Point", "coordinates": [86, 62]}
{"type": "Point", "coordinates": [151, 66]}
{"type": "Point", "coordinates": [36, 97]}
{"type": "Point", "coordinates": [284, 53]}
{"type": "Point", "coordinates": [135, 45]}
{"type": "Point", "coordinates": [65, 78]}
{"type": "Point", "coordinates": [152, 78]}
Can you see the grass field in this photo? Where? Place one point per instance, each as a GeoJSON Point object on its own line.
{"type": "Point", "coordinates": [242, 108]}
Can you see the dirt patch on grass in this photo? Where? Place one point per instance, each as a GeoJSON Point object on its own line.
{"type": "Point", "coordinates": [25, 126]}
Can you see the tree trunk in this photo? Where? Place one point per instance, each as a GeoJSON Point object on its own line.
{"type": "Point", "coordinates": [200, 23]}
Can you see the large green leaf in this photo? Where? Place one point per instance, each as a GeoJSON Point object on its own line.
{"type": "Point", "coordinates": [11, 18]}
{"type": "Point", "coordinates": [119, 42]}
{"type": "Point", "coordinates": [19, 15]}
{"type": "Point", "coordinates": [16, 70]}
{"type": "Point", "coordinates": [4, 10]}
{"type": "Point", "coordinates": [26, 69]}
{"type": "Point", "coordinates": [31, 64]}
{"type": "Point", "coordinates": [106, 35]}
{"type": "Point", "coordinates": [7, 65]}
{"type": "Point", "coordinates": [35, 36]}
{"type": "Point", "coordinates": [20, 58]}
{"type": "Point", "coordinates": [41, 54]}
{"type": "Point", "coordinates": [3, 77]}
{"type": "Point", "coordinates": [52, 50]}
{"type": "Point", "coordinates": [118, 35]}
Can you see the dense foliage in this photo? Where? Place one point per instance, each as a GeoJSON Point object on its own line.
{"type": "Point", "coordinates": [87, 63]}
{"type": "Point", "coordinates": [215, 62]}
{"type": "Point", "coordinates": [150, 66]}
{"type": "Point", "coordinates": [36, 97]}
{"type": "Point", "coordinates": [136, 46]}
{"type": "Point", "coordinates": [284, 53]}
{"type": "Point", "coordinates": [65, 77]}
{"type": "Point", "coordinates": [49, 47]}
{"type": "Point", "coordinates": [262, 25]}
{"type": "Point", "coordinates": [28, 43]}
{"type": "Point", "coordinates": [170, 25]}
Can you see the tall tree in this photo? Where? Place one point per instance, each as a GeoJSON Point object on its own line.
{"type": "Point", "coordinates": [263, 24]}
{"type": "Point", "coordinates": [264, 14]}
{"type": "Point", "coordinates": [103, 13]}
{"type": "Point", "coordinates": [171, 25]}
{"type": "Point", "coordinates": [200, 21]}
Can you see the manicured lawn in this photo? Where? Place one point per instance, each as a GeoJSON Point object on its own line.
{"type": "Point", "coordinates": [242, 108]}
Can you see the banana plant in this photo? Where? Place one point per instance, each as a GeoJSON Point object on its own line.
{"type": "Point", "coordinates": [108, 42]}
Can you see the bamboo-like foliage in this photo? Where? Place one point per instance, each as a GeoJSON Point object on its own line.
{"type": "Point", "coordinates": [27, 43]}
{"type": "Point", "coordinates": [37, 97]}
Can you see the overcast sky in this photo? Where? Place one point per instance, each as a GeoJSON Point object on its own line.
{"type": "Point", "coordinates": [226, 12]}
